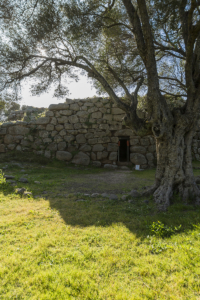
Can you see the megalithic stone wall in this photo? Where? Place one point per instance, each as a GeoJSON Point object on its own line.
{"type": "Point", "coordinates": [79, 131]}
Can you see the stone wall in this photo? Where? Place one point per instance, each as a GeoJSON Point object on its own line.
{"type": "Point", "coordinates": [82, 132]}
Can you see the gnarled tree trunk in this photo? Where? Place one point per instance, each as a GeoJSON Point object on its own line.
{"type": "Point", "coordinates": [174, 168]}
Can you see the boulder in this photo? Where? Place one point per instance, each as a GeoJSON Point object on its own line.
{"type": "Point", "coordinates": [138, 149]}
{"type": "Point", "coordinates": [113, 156]}
{"type": "Point", "coordinates": [2, 148]}
{"type": "Point", "coordinates": [134, 193]}
{"type": "Point", "coordinates": [42, 121]}
{"type": "Point", "coordinates": [98, 148]}
{"type": "Point", "coordinates": [80, 139]}
{"type": "Point", "coordinates": [138, 159]}
{"type": "Point", "coordinates": [63, 155]}
{"type": "Point", "coordinates": [112, 147]}
{"type": "Point", "coordinates": [85, 148]}
{"type": "Point", "coordinates": [97, 115]}
{"type": "Point", "coordinates": [117, 111]}
{"type": "Point", "coordinates": [17, 129]}
{"type": "Point", "coordinates": [81, 159]}
{"type": "Point", "coordinates": [8, 139]}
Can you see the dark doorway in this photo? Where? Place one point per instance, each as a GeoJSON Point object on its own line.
{"type": "Point", "coordinates": [123, 151]}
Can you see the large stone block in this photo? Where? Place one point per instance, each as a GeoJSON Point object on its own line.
{"type": "Point", "coordinates": [93, 156]}
{"type": "Point", "coordinates": [85, 148]}
{"type": "Point", "coordinates": [138, 159]}
{"type": "Point", "coordinates": [113, 156]}
{"type": "Point", "coordinates": [73, 119]}
{"type": "Point", "coordinates": [53, 121]}
{"type": "Point", "coordinates": [89, 135]}
{"type": "Point", "coordinates": [112, 147]}
{"type": "Point", "coordinates": [92, 109]}
{"type": "Point", "coordinates": [134, 142]}
{"type": "Point", "coordinates": [8, 139]}
{"type": "Point", "coordinates": [150, 156]}
{"type": "Point", "coordinates": [75, 107]}
{"type": "Point", "coordinates": [62, 120]}
{"type": "Point", "coordinates": [42, 121]}
{"type": "Point", "coordinates": [47, 154]}
{"type": "Point", "coordinates": [69, 138]}
{"type": "Point", "coordinates": [97, 147]}
{"type": "Point", "coordinates": [62, 132]}
{"type": "Point", "coordinates": [144, 142]}
{"type": "Point", "coordinates": [59, 127]}
{"type": "Point", "coordinates": [69, 126]}
{"type": "Point", "coordinates": [82, 114]}
{"type": "Point", "coordinates": [124, 132]}
{"type": "Point", "coordinates": [3, 131]}
{"type": "Point", "coordinates": [11, 146]}
{"type": "Point", "coordinates": [118, 118]}
{"type": "Point", "coordinates": [49, 114]}
{"type": "Point", "coordinates": [108, 117]}
{"type": "Point", "coordinates": [138, 149]}
{"type": "Point", "coordinates": [65, 112]}
{"type": "Point", "coordinates": [52, 147]}
{"type": "Point", "coordinates": [97, 115]}
{"type": "Point", "coordinates": [92, 141]}
{"type": "Point", "coordinates": [117, 111]}
{"type": "Point", "coordinates": [77, 126]}
{"type": "Point", "coordinates": [2, 148]}
{"type": "Point", "coordinates": [43, 134]}
{"type": "Point", "coordinates": [81, 159]}
{"type": "Point", "coordinates": [62, 146]}
{"type": "Point", "coordinates": [17, 129]}
{"type": "Point", "coordinates": [80, 138]}
{"type": "Point", "coordinates": [50, 127]}
{"type": "Point", "coordinates": [63, 155]}
{"type": "Point", "coordinates": [60, 106]}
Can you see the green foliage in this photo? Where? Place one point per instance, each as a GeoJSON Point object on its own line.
{"type": "Point", "coordinates": [160, 230]}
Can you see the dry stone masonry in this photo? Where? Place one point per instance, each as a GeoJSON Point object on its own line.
{"type": "Point", "coordinates": [88, 131]}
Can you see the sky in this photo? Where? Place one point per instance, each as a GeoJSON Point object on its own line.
{"type": "Point", "coordinates": [81, 89]}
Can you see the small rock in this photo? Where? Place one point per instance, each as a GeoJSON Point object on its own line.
{"type": "Point", "coordinates": [113, 197]}
{"type": "Point", "coordinates": [9, 177]}
{"type": "Point", "coordinates": [37, 182]}
{"type": "Point", "coordinates": [105, 195]}
{"type": "Point", "coordinates": [109, 166]}
{"type": "Point", "coordinates": [44, 192]}
{"type": "Point", "coordinates": [146, 201]}
{"type": "Point", "coordinates": [129, 201]}
{"type": "Point", "coordinates": [20, 191]}
{"type": "Point", "coordinates": [11, 181]}
{"type": "Point", "coordinates": [87, 195]}
{"type": "Point", "coordinates": [124, 197]}
{"type": "Point", "coordinates": [124, 168]}
{"type": "Point", "coordinates": [80, 200]}
{"type": "Point", "coordinates": [27, 193]}
{"type": "Point", "coordinates": [24, 180]}
{"type": "Point", "coordinates": [5, 167]}
{"type": "Point", "coordinates": [134, 193]}
{"type": "Point", "coordinates": [22, 171]}
{"type": "Point", "coordinates": [37, 196]}
{"type": "Point", "coordinates": [95, 195]}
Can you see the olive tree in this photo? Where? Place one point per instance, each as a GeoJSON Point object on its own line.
{"type": "Point", "coordinates": [123, 46]}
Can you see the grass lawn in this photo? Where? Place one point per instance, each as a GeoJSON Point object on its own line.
{"type": "Point", "coordinates": [53, 246]}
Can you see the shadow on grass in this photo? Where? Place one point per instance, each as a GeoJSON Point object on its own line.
{"type": "Point", "coordinates": [83, 211]}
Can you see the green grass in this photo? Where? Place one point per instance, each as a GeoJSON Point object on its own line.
{"type": "Point", "coordinates": [54, 247]}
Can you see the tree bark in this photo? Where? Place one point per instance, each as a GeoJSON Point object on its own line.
{"type": "Point", "coordinates": [174, 171]}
